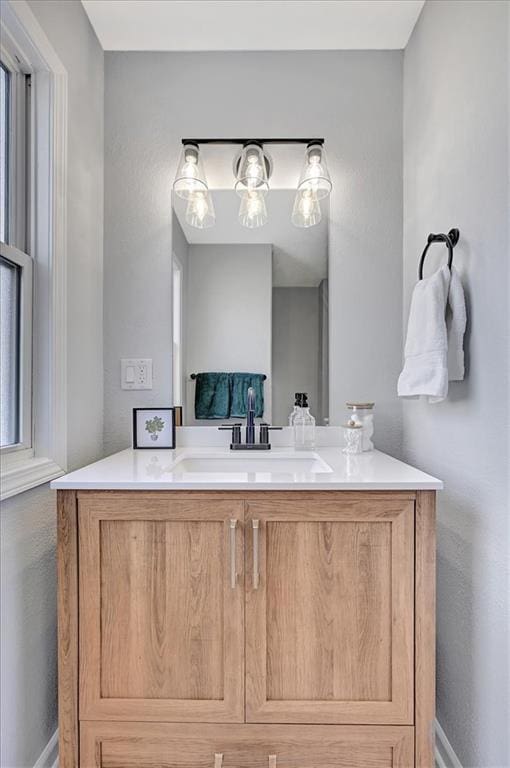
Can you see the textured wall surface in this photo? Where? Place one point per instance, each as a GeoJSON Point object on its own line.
{"type": "Point", "coordinates": [28, 596]}
{"type": "Point", "coordinates": [295, 350]}
{"type": "Point", "coordinates": [456, 174]}
{"type": "Point", "coordinates": [228, 314]}
{"type": "Point", "coordinates": [352, 99]}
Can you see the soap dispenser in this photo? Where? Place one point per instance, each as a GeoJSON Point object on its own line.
{"type": "Point", "coordinates": [296, 407]}
{"type": "Point", "coordinates": [303, 424]}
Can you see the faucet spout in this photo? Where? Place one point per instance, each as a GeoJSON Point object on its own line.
{"type": "Point", "coordinates": [250, 416]}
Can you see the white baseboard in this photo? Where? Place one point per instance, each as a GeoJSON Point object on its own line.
{"type": "Point", "coordinates": [445, 754]}
{"type": "Point", "coordinates": [49, 756]}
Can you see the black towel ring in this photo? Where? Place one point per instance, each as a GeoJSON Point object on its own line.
{"type": "Point", "coordinates": [451, 240]}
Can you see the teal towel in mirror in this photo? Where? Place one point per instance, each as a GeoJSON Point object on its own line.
{"type": "Point", "coordinates": [212, 395]}
{"type": "Point", "coordinates": [240, 384]}
{"type": "Point", "coordinates": [223, 395]}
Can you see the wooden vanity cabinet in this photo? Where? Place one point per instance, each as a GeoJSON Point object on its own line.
{"type": "Point", "coordinates": [194, 624]}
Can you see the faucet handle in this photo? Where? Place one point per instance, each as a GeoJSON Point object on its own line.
{"type": "Point", "coordinates": [236, 431]}
{"type": "Point", "coordinates": [264, 432]}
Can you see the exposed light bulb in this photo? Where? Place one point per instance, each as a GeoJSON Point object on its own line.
{"type": "Point", "coordinates": [190, 176]}
{"type": "Point", "coordinates": [253, 211]}
{"type": "Point", "coordinates": [200, 211]}
{"type": "Point", "coordinates": [307, 210]}
{"type": "Point", "coordinates": [315, 175]}
{"type": "Point", "coordinates": [250, 169]}
{"type": "Point", "coordinates": [199, 205]}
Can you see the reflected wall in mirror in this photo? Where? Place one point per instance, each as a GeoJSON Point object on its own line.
{"type": "Point", "coordinates": [250, 300]}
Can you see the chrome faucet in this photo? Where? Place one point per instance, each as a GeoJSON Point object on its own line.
{"type": "Point", "coordinates": [250, 444]}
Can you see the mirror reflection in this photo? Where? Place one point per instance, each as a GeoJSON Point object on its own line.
{"type": "Point", "coordinates": [250, 309]}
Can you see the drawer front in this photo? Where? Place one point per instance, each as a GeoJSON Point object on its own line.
{"type": "Point", "coordinates": [162, 745]}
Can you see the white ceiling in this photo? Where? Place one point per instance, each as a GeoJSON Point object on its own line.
{"type": "Point", "coordinates": [300, 256]}
{"type": "Point", "coordinates": [252, 25]}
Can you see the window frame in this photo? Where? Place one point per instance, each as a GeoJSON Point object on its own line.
{"type": "Point", "coordinates": [23, 260]}
{"type": "Point", "coordinates": [19, 151]}
{"type": "Point", "coordinates": [23, 37]}
{"type": "Point", "coordinates": [18, 237]}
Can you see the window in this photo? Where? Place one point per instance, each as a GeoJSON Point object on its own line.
{"type": "Point", "coordinates": [33, 171]}
{"type": "Point", "coordinates": [4, 153]}
{"type": "Point", "coordinates": [15, 263]}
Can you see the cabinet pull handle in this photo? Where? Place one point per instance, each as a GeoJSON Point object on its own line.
{"type": "Point", "coordinates": [233, 572]}
{"type": "Point", "coordinates": [218, 760]}
{"type": "Point", "coordinates": [272, 761]}
{"type": "Point", "coordinates": [255, 526]}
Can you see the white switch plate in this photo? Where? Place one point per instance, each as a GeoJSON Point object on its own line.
{"type": "Point", "coordinates": [136, 373]}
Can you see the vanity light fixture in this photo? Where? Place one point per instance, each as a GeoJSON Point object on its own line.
{"type": "Point", "coordinates": [200, 210]}
{"type": "Point", "coordinates": [315, 175]}
{"type": "Point", "coordinates": [190, 177]}
{"type": "Point", "coordinates": [252, 170]}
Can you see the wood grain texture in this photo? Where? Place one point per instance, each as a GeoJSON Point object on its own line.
{"type": "Point", "coordinates": [425, 618]}
{"type": "Point", "coordinates": [67, 574]}
{"type": "Point", "coordinates": [162, 631]}
{"type": "Point", "coordinates": [328, 611]}
{"type": "Point", "coordinates": [159, 497]}
{"type": "Point", "coordinates": [150, 745]}
{"type": "Point", "coordinates": [162, 609]}
{"type": "Point", "coordinates": [329, 631]}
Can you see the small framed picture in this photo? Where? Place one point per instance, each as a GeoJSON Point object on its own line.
{"type": "Point", "coordinates": [153, 428]}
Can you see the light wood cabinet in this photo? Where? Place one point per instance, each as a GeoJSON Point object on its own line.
{"type": "Point", "coordinates": [151, 745]}
{"type": "Point", "coordinates": [194, 624]}
{"type": "Point", "coordinates": [161, 625]}
{"type": "Point", "coordinates": [330, 619]}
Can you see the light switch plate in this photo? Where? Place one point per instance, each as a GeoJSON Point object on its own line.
{"type": "Point", "coordinates": [136, 373]}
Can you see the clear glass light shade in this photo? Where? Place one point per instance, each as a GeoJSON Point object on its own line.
{"type": "Point", "coordinates": [315, 175]}
{"type": "Point", "coordinates": [251, 172]}
{"type": "Point", "coordinates": [307, 209]}
{"type": "Point", "coordinates": [200, 211]}
{"type": "Point", "coordinates": [253, 211]}
{"type": "Point", "coordinates": [190, 176]}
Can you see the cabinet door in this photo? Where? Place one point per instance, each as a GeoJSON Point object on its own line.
{"type": "Point", "coordinates": [329, 611]}
{"type": "Point", "coordinates": [161, 608]}
{"type": "Point", "coordinates": [161, 745]}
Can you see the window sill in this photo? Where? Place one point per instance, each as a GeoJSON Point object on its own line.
{"type": "Point", "coordinates": [29, 473]}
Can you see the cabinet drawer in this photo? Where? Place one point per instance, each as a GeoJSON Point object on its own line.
{"type": "Point", "coordinates": [147, 745]}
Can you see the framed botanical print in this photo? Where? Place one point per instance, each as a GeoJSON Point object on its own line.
{"type": "Point", "coordinates": [153, 428]}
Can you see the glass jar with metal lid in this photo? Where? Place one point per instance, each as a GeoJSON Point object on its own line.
{"type": "Point", "coordinates": [363, 414]}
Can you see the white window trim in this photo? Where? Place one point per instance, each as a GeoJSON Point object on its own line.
{"type": "Point", "coordinates": [47, 458]}
{"type": "Point", "coordinates": [23, 448]}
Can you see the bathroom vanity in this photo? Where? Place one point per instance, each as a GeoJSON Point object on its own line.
{"type": "Point", "coordinates": [250, 615]}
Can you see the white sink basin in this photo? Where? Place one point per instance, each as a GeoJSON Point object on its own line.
{"type": "Point", "coordinates": [306, 464]}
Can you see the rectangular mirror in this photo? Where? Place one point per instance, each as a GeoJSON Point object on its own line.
{"type": "Point", "coordinates": [250, 300]}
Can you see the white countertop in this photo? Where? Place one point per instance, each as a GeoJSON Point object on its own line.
{"type": "Point", "coordinates": [327, 469]}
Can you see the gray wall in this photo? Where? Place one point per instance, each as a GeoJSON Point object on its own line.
{"type": "Point", "coordinates": [354, 100]}
{"type": "Point", "coordinates": [28, 599]}
{"type": "Point", "coordinates": [456, 174]}
{"type": "Point", "coordinates": [228, 314]}
{"type": "Point", "coordinates": [295, 350]}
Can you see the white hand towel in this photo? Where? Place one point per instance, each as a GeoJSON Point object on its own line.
{"type": "Point", "coordinates": [426, 364]}
{"type": "Point", "coordinates": [455, 327]}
